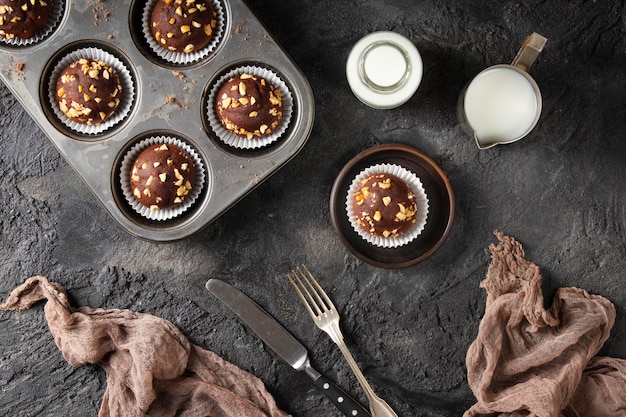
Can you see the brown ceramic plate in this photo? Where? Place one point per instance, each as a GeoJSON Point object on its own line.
{"type": "Point", "coordinates": [440, 213]}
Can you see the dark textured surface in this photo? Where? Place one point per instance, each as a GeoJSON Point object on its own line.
{"type": "Point", "coordinates": [560, 191]}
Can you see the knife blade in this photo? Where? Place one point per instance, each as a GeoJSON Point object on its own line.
{"type": "Point", "coordinates": [283, 343]}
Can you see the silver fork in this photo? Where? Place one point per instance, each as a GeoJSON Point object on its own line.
{"type": "Point", "coordinates": [326, 317]}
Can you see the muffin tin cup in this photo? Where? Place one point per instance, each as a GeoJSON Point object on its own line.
{"type": "Point", "coordinates": [239, 142]}
{"type": "Point", "coordinates": [126, 80]}
{"type": "Point", "coordinates": [169, 213]}
{"type": "Point", "coordinates": [182, 58]}
{"type": "Point", "coordinates": [421, 200]}
{"type": "Point", "coordinates": [56, 13]}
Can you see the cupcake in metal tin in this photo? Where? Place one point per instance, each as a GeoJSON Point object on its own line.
{"type": "Point", "coordinates": [90, 90]}
{"type": "Point", "coordinates": [27, 22]}
{"type": "Point", "coordinates": [161, 177]}
{"type": "Point", "coordinates": [249, 107]}
{"type": "Point", "coordinates": [387, 205]}
{"type": "Point", "coordinates": [183, 31]}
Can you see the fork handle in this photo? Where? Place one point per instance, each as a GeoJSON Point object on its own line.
{"type": "Point", "coordinates": [378, 406]}
{"type": "Point", "coordinates": [341, 399]}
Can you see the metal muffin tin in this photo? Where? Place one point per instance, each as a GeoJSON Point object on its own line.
{"type": "Point", "coordinates": [170, 99]}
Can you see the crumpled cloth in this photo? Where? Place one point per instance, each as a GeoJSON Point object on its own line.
{"type": "Point", "coordinates": [531, 361]}
{"type": "Point", "coordinates": [152, 369]}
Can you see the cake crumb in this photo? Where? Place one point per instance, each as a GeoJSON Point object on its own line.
{"type": "Point", "coordinates": [239, 30]}
{"type": "Point", "coordinates": [172, 100]}
{"type": "Point", "coordinates": [100, 12]}
{"type": "Point", "coordinates": [16, 69]}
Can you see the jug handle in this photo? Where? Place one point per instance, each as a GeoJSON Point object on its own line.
{"type": "Point", "coordinates": [529, 51]}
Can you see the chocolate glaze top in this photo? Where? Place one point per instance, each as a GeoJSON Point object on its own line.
{"type": "Point", "coordinates": [384, 205]}
{"type": "Point", "coordinates": [249, 106]}
{"type": "Point", "coordinates": [22, 19]}
{"type": "Point", "coordinates": [162, 176]}
{"type": "Point", "coordinates": [88, 91]}
{"type": "Point", "coordinates": [183, 25]}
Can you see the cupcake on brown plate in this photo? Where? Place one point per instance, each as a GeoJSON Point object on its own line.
{"type": "Point", "coordinates": [161, 177]}
{"type": "Point", "coordinates": [250, 107]}
{"type": "Point", "coordinates": [387, 205]}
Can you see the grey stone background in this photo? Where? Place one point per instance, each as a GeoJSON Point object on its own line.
{"type": "Point", "coordinates": [560, 191]}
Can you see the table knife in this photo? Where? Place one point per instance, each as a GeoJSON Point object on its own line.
{"type": "Point", "coordinates": [283, 343]}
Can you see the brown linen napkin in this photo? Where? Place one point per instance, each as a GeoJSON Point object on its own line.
{"type": "Point", "coordinates": [152, 369]}
{"type": "Point", "coordinates": [532, 361]}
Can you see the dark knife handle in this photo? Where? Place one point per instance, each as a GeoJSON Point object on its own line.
{"type": "Point", "coordinates": [341, 399]}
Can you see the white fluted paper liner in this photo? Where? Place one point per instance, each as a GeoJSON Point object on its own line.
{"type": "Point", "coordinates": [163, 214]}
{"type": "Point", "coordinates": [421, 199]}
{"type": "Point", "coordinates": [182, 58]}
{"type": "Point", "coordinates": [239, 142]}
{"type": "Point", "coordinates": [56, 13]}
{"type": "Point", "coordinates": [126, 80]}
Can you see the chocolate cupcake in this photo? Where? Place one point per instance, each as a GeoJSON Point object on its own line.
{"type": "Point", "coordinates": [88, 91]}
{"type": "Point", "coordinates": [387, 205]}
{"type": "Point", "coordinates": [22, 19]}
{"type": "Point", "coordinates": [183, 25]}
{"type": "Point", "coordinates": [249, 107]}
{"type": "Point", "coordinates": [182, 31]}
{"type": "Point", "coordinates": [161, 177]}
{"type": "Point", "coordinates": [29, 23]}
{"type": "Point", "coordinates": [384, 205]}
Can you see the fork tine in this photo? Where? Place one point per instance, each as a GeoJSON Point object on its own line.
{"type": "Point", "coordinates": [319, 291]}
{"type": "Point", "coordinates": [301, 289]}
{"type": "Point", "coordinates": [311, 291]}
